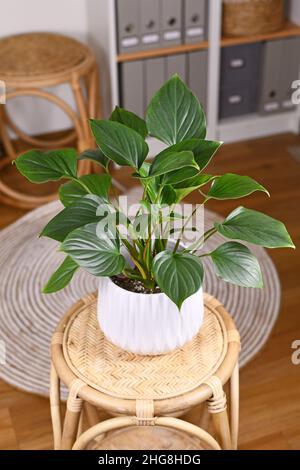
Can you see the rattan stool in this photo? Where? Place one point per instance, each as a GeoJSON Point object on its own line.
{"type": "Point", "coordinates": [144, 390]}
{"type": "Point", "coordinates": [30, 63]}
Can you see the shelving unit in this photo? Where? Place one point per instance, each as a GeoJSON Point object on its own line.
{"type": "Point", "coordinates": [289, 29]}
{"type": "Point", "coordinates": [162, 52]}
{"type": "Point", "coordinates": [103, 34]}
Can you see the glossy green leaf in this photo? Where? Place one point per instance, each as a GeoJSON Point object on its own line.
{"type": "Point", "coordinates": [203, 150]}
{"type": "Point", "coordinates": [168, 196]}
{"type": "Point", "coordinates": [76, 215]}
{"type": "Point", "coordinates": [235, 263]}
{"type": "Point", "coordinates": [165, 164]}
{"type": "Point", "coordinates": [96, 156]}
{"type": "Point", "coordinates": [186, 187]}
{"type": "Point", "coordinates": [61, 277]}
{"type": "Point", "coordinates": [175, 114]}
{"type": "Point", "coordinates": [151, 185]}
{"type": "Point", "coordinates": [179, 275]}
{"type": "Point", "coordinates": [120, 143]}
{"type": "Point", "coordinates": [178, 176]}
{"type": "Point", "coordinates": [255, 227]}
{"type": "Point", "coordinates": [40, 167]}
{"type": "Point", "coordinates": [98, 256]}
{"type": "Point", "coordinates": [98, 185]}
{"type": "Point", "coordinates": [131, 120]}
{"type": "Point", "coordinates": [232, 186]}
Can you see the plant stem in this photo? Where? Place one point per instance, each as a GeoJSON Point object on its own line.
{"type": "Point", "coordinates": [203, 239]}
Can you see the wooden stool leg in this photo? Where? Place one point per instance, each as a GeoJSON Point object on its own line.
{"type": "Point", "coordinates": [91, 414]}
{"type": "Point", "coordinates": [6, 141]}
{"type": "Point", "coordinates": [72, 417]}
{"type": "Point", "coordinates": [93, 91]}
{"type": "Point", "coordinates": [55, 407]}
{"type": "Point", "coordinates": [70, 429]}
{"type": "Point", "coordinates": [234, 405]}
{"type": "Point", "coordinates": [221, 424]}
{"type": "Point", "coordinates": [217, 406]}
{"type": "Point", "coordinates": [87, 141]}
{"type": "Point", "coordinates": [80, 424]}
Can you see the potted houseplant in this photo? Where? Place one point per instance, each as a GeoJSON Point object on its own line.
{"type": "Point", "coordinates": [150, 294]}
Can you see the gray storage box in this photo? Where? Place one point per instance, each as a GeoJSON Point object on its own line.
{"type": "Point", "coordinates": [237, 101]}
{"type": "Point", "coordinates": [176, 64]}
{"type": "Point", "coordinates": [194, 20]}
{"type": "Point", "coordinates": [154, 76]}
{"type": "Point", "coordinates": [289, 71]}
{"type": "Point", "coordinates": [128, 25]}
{"type": "Point", "coordinates": [150, 23]}
{"type": "Point", "coordinates": [270, 93]}
{"type": "Point", "coordinates": [132, 86]}
{"type": "Point", "coordinates": [197, 75]}
{"type": "Point", "coordinates": [240, 64]}
{"type": "Point", "coordinates": [171, 22]}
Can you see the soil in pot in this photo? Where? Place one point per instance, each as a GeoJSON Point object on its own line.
{"type": "Point", "coordinates": [133, 285]}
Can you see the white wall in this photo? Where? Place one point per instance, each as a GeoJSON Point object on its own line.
{"type": "Point", "coordinates": [62, 16]}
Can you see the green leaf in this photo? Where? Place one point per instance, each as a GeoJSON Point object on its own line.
{"type": "Point", "coordinates": [179, 275]}
{"type": "Point", "coordinates": [76, 215]}
{"type": "Point", "coordinates": [131, 120]}
{"type": "Point", "coordinates": [165, 164]}
{"type": "Point", "coordinates": [255, 227]}
{"type": "Point", "coordinates": [186, 187]}
{"type": "Point", "coordinates": [89, 184]}
{"type": "Point", "coordinates": [235, 263]}
{"type": "Point", "coordinates": [180, 175]}
{"type": "Point", "coordinates": [95, 156]}
{"type": "Point", "coordinates": [151, 184]}
{"type": "Point", "coordinates": [231, 186]}
{"type": "Point", "coordinates": [175, 114]}
{"type": "Point", "coordinates": [61, 277]}
{"type": "Point", "coordinates": [40, 167]}
{"type": "Point", "coordinates": [203, 150]}
{"type": "Point", "coordinates": [98, 256]}
{"type": "Point", "coordinates": [120, 143]}
{"type": "Point", "coordinates": [168, 196]}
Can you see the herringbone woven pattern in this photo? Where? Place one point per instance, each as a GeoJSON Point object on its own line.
{"type": "Point", "coordinates": [121, 374]}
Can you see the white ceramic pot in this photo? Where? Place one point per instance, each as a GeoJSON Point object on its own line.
{"type": "Point", "coordinates": [147, 324]}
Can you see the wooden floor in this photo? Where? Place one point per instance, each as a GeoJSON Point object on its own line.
{"type": "Point", "coordinates": [270, 384]}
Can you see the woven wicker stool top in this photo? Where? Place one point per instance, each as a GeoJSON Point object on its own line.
{"type": "Point", "coordinates": [39, 55]}
{"type": "Point", "coordinates": [117, 373]}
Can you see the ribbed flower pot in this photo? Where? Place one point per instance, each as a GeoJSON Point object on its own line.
{"type": "Point", "coordinates": [147, 324]}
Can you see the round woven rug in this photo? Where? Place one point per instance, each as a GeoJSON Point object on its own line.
{"type": "Point", "coordinates": [28, 318]}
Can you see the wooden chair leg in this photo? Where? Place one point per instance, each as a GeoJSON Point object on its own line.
{"type": "Point", "coordinates": [70, 429]}
{"type": "Point", "coordinates": [80, 424]}
{"type": "Point", "coordinates": [55, 407]}
{"type": "Point", "coordinates": [221, 424]}
{"type": "Point", "coordinates": [87, 141]}
{"type": "Point", "coordinates": [234, 406]}
{"type": "Point", "coordinates": [91, 414]}
{"type": "Point", "coordinates": [217, 407]}
{"type": "Point", "coordinates": [72, 417]}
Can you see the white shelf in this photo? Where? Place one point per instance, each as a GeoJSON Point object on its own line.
{"type": "Point", "coordinates": [254, 126]}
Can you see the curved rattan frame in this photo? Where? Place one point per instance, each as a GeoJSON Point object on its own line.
{"type": "Point", "coordinates": [128, 421]}
{"type": "Point", "coordinates": [83, 75]}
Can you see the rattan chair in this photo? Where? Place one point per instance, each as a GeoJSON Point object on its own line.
{"type": "Point", "coordinates": [143, 390]}
{"type": "Point", "coordinates": [29, 65]}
